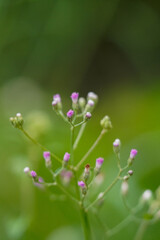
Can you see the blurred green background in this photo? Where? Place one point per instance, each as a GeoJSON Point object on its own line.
{"type": "Point", "coordinates": [111, 47]}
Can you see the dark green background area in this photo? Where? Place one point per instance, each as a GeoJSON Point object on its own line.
{"type": "Point", "coordinates": [110, 47]}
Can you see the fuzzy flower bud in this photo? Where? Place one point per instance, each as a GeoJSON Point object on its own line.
{"type": "Point", "coordinates": [17, 121]}
{"type": "Point", "coordinates": [66, 159]}
{"type": "Point", "coordinates": [147, 195]}
{"type": "Point", "coordinates": [33, 175]}
{"type": "Point", "coordinates": [124, 188]}
{"type": "Point", "coordinates": [66, 177]}
{"type": "Point", "coordinates": [47, 158]}
{"type": "Point", "coordinates": [82, 103]}
{"type": "Point", "coordinates": [70, 114]}
{"type": "Point", "coordinates": [116, 145]}
{"type": "Point", "coordinates": [106, 123]}
{"type": "Point", "coordinates": [86, 172]}
{"type": "Point", "coordinates": [26, 170]}
{"type": "Point", "coordinates": [89, 106]}
{"type": "Point", "coordinates": [74, 97]}
{"type": "Point", "coordinates": [99, 162]}
{"type": "Point", "coordinates": [88, 115]}
{"type": "Point", "coordinates": [130, 172]}
{"type": "Point", "coordinates": [92, 96]}
{"type": "Point", "coordinates": [57, 103]}
{"type": "Point", "coordinates": [82, 185]}
{"type": "Point", "coordinates": [132, 156]}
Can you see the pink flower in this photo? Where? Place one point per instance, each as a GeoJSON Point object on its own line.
{"type": "Point", "coordinates": [47, 156]}
{"type": "Point", "coordinates": [74, 97]}
{"type": "Point", "coordinates": [70, 113]}
{"type": "Point", "coordinates": [133, 153]}
{"type": "Point", "coordinates": [88, 115]}
{"type": "Point", "coordinates": [66, 157]}
{"type": "Point", "coordinates": [57, 98]}
{"type": "Point", "coordinates": [99, 162]}
{"type": "Point", "coordinates": [33, 174]}
{"type": "Point", "coordinates": [81, 184]}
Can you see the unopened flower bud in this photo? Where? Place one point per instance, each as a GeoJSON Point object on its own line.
{"type": "Point", "coordinates": [125, 178]}
{"type": "Point", "coordinates": [47, 158]}
{"type": "Point", "coordinates": [66, 177]}
{"type": "Point", "coordinates": [89, 106]}
{"type": "Point", "coordinates": [106, 123]}
{"type": "Point", "coordinates": [26, 170]}
{"type": "Point", "coordinates": [99, 162]}
{"type": "Point", "coordinates": [147, 195]}
{"type": "Point", "coordinates": [124, 188]}
{"type": "Point", "coordinates": [74, 97]}
{"type": "Point", "coordinates": [92, 96]}
{"type": "Point", "coordinates": [66, 159]}
{"type": "Point", "coordinates": [86, 172]}
{"type": "Point", "coordinates": [116, 145]}
{"type": "Point", "coordinates": [57, 103]}
{"type": "Point", "coordinates": [132, 156]}
{"type": "Point", "coordinates": [70, 114]}
{"type": "Point", "coordinates": [17, 121]}
{"type": "Point", "coordinates": [130, 172]}
{"type": "Point", "coordinates": [88, 115]}
{"type": "Point", "coordinates": [34, 175]}
{"type": "Point", "coordinates": [82, 185]}
{"type": "Point", "coordinates": [82, 103]}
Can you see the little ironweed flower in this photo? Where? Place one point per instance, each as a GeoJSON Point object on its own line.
{"type": "Point", "coordinates": [88, 115]}
{"type": "Point", "coordinates": [132, 156]}
{"type": "Point", "coordinates": [70, 114]}
{"type": "Point", "coordinates": [17, 121]}
{"type": "Point", "coordinates": [82, 185]}
{"type": "Point", "coordinates": [92, 96]}
{"type": "Point", "coordinates": [86, 173]}
{"type": "Point", "coordinates": [89, 106]}
{"type": "Point", "coordinates": [74, 97]}
{"type": "Point", "coordinates": [26, 170]}
{"type": "Point", "coordinates": [116, 145]}
{"type": "Point", "coordinates": [66, 176]}
{"type": "Point", "coordinates": [66, 159]}
{"type": "Point", "coordinates": [99, 162]}
{"type": "Point", "coordinates": [33, 175]}
{"type": "Point", "coordinates": [57, 103]}
{"type": "Point", "coordinates": [47, 158]}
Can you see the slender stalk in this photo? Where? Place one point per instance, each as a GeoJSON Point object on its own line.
{"type": "Point", "coordinates": [79, 136]}
{"type": "Point", "coordinates": [141, 230]}
{"type": "Point", "coordinates": [38, 144]}
{"type": "Point", "coordinates": [85, 224]}
{"type": "Point", "coordinates": [91, 149]}
{"type": "Point", "coordinates": [79, 124]}
{"type": "Point", "coordinates": [72, 142]}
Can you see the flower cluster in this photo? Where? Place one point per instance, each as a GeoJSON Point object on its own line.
{"type": "Point", "coordinates": [78, 173]}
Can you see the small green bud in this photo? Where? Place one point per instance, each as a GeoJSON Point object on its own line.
{"type": "Point", "coordinates": [106, 123]}
{"type": "Point", "coordinates": [17, 121]}
{"type": "Point", "coordinates": [82, 103]}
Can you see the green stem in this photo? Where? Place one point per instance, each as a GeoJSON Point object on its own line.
{"type": "Point", "coordinates": [141, 230]}
{"type": "Point", "coordinates": [79, 124]}
{"type": "Point", "coordinates": [67, 193]}
{"type": "Point", "coordinates": [72, 142]}
{"type": "Point", "coordinates": [91, 149]}
{"type": "Point", "coordinates": [85, 224]}
{"type": "Point", "coordinates": [79, 136]}
{"type": "Point", "coordinates": [38, 144]}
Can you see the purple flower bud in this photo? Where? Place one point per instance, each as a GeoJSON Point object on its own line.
{"type": "Point", "coordinates": [130, 172]}
{"type": "Point", "coordinates": [90, 103]}
{"type": "Point", "coordinates": [99, 162]}
{"type": "Point", "coordinates": [81, 184]}
{"type": "Point", "coordinates": [33, 174]}
{"type": "Point", "coordinates": [133, 153]}
{"type": "Point", "coordinates": [57, 98]}
{"type": "Point", "coordinates": [26, 170]}
{"type": "Point", "coordinates": [40, 180]}
{"type": "Point", "coordinates": [74, 97]}
{"type": "Point", "coordinates": [70, 113]}
{"type": "Point", "coordinates": [47, 156]}
{"type": "Point", "coordinates": [88, 115]}
{"type": "Point", "coordinates": [117, 143]}
{"type": "Point", "coordinates": [66, 157]}
{"type": "Point", "coordinates": [54, 103]}
{"type": "Point", "coordinates": [66, 176]}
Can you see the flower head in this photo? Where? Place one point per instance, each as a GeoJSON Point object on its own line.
{"type": "Point", "coordinates": [57, 98]}
{"type": "Point", "coordinates": [133, 153]}
{"type": "Point", "coordinates": [117, 143]}
{"type": "Point", "coordinates": [99, 162]}
{"type": "Point", "coordinates": [66, 157]}
{"type": "Point", "coordinates": [88, 115]}
{"type": "Point", "coordinates": [26, 170]}
{"type": "Point", "coordinates": [81, 184]}
{"type": "Point", "coordinates": [47, 156]}
{"type": "Point", "coordinates": [90, 103]}
{"type": "Point", "coordinates": [70, 113]}
{"type": "Point", "coordinates": [92, 96]}
{"type": "Point", "coordinates": [33, 174]}
{"type": "Point", "coordinates": [74, 97]}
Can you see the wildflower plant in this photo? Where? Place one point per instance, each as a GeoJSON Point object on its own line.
{"type": "Point", "coordinates": [84, 176]}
